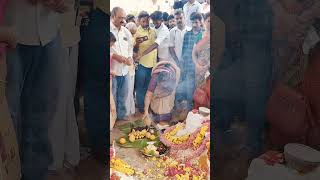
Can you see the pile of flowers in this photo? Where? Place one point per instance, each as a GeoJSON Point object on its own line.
{"type": "Point", "coordinates": [175, 142]}
{"type": "Point", "coordinates": [121, 166]}
{"type": "Point", "coordinates": [178, 171]}
{"type": "Point", "coordinates": [200, 136]}
{"type": "Point", "coordinates": [197, 141]}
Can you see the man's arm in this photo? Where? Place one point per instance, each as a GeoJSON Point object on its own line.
{"type": "Point", "coordinates": [172, 46]}
{"type": "Point", "coordinates": [161, 37]}
{"type": "Point", "coordinates": [149, 50]}
{"type": "Point", "coordinates": [147, 101]}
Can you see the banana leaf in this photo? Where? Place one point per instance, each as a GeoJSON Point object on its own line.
{"type": "Point", "coordinates": [139, 143]}
{"type": "Point", "coordinates": [126, 128]}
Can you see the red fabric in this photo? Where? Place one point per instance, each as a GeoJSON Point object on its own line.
{"type": "Point", "coordinates": [293, 122]}
{"type": "Point", "coordinates": [201, 95]}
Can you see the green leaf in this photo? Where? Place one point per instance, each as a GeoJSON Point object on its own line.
{"type": "Point", "coordinates": [140, 144]}
{"type": "Point", "coordinates": [126, 128]}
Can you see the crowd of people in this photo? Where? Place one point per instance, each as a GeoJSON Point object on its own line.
{"type": "Point", "coordinates": [157, 61]}
{"type": "Point", "coordinates": [48, 60]}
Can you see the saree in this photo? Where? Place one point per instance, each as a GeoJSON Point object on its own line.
{"type": "Point", "coordinates": [164, 93]}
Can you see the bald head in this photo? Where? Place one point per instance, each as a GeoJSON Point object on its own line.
{"type": "Point", "coordinates": [118, 16]}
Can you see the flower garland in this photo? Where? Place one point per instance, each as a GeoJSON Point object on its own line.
{"type": "Point", "coordinates": [169, 139]}
{"type": "Point", "coordinates": [199, 145]}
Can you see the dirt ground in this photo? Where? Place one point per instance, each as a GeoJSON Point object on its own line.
{"type": "Point", "coordinates": [228, 164]}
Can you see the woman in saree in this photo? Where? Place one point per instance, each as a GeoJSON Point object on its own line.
{"type": "Point", "coordinates": [161, 93]}
{"type": "Point", "coordinates": [201, 52]}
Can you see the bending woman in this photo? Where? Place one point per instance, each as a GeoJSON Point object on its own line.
{"type": "Point", "coordinates": [161, 92]}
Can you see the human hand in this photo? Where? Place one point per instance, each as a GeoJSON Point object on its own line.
{"type": "Point", "coordinates": [146, 118]}
{"type": "Point", "coordinates": [8, 36]}
{"type": "Point", "coordinates": [112, 73]}
{"type": "Point", "coordinates": [127, 61]}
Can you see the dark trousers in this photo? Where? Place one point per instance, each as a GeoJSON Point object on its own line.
{"type": "Point", "coordinates": [39, 70]}
{"type": "Point", "coordinates": [94, 50]}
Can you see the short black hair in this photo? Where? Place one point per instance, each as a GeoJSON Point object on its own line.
{"type": "Point", "coordinates": [143, 14]}
{"type": "Point", "coordinates": [112, 38]}
{"type": "Point", "coordinates": [170, 17]}
{"type": "Point", "coordinates": [157, 15]}
{"type": "Point", "coordinates": [195, 16]}
{"type": "Point", "coordinates": [165, 16]}
{"type": "Point", "coordinates": [178, 12]}
{"type": "Point", "coordinates": [206, 16]}
{"type": "Point", "coordinates": [130, 17]}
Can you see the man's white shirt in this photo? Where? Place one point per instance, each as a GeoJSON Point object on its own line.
{"type": "Point", "coordinates": [35, 24]}
{"type": "Point", "coordinates": [176, 40]}
{"type": "Point", "coordinates": [123, 47]}
{"type": "Point", "coordinates": [188, 9]}
{"type": "Point", "coordinates": [163, 41]}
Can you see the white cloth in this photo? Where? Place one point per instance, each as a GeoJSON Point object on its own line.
{"type": "Point", "coordinates": [205, 8]}
{"type": "Point", "coordinates": [176, 40]}
{"type": "Point", "coordinates": [163, 40]}
{"type": "Point", "coordinates": [63, 132]}
{"type": "Point", "coordinates": [188, 9]}
{"type": "Point", "coordinates": [193, 122]}
{"type": "Point", "coordinates": [70, 31]}
{"type": "Point", "coordinates": [259, 170]}
{"type": "Point", "coordinates": [130, 104]}
{"type": "Point", "coordinates": [123, 47]}
{"type": "Point", "coordinates": [311, 40]}
{"type": "Point", "coordinates": [35, 25]}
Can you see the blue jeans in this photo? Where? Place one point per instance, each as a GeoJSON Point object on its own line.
{"type": "Point", "coordinates": [120, 93]}
{"type": "Point", "coordinates": [93, 55]}
{"type": "Point", "coordinates": [40, 76]}
{"type": "Point", "coordinates": [143, 77]}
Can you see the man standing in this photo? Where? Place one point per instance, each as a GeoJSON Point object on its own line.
{"type": "Point", "coordinates": [123, 47]}
{"type": "Point", "coordinates": [187, 84]}
{"type": "Point", "coordinates": [39, 49]}
{"type": "Point", "coordinates": [176, 36]}
{"type": "Point", "coordinates": [192, 6]}
{"type": "Point", "coordinates": [162, 42]}
{"type": "Point", "coordinates": [144, 38]}
{"type": "Point", "coordinates": [94, 58]}
{"type": "Point", "coordinates": [63, 132]}
{"type": "Point", "coordinates": [256, 35]}
{"type": "Point", "coordinates": [172, 22]}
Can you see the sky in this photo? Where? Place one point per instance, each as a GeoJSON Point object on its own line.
{"type": "Point", "coordinates": [135, 6]}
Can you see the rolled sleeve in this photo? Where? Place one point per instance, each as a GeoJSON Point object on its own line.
{"type": "Point", "coordinates": [161, 37]}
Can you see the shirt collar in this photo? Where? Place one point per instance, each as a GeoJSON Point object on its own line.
{"type": "Point", "coordinates": [114, 28]}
